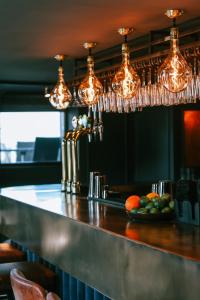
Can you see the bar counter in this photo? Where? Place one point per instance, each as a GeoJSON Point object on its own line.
{"type": "Point", "coordinates": [97, 244]}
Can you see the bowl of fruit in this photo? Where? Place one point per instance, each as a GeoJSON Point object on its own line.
{"type": "Point", "coordinates": [151, 207]}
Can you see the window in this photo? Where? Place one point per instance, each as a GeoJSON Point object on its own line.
{"type": "Point", "coordinates": [30, 137]}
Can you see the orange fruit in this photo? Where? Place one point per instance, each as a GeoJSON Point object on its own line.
{"type": "Point", "coordinates": [132, 202]}
{"type": "Point", "coordinates": [152, 195]}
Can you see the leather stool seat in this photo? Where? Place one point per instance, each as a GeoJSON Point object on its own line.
{"type": "Point", "coordinates": [24, 289]}
{"type": "Point", "coordinates": [33, 271]}
{"type": "Point", "coordinates": [9, 253]}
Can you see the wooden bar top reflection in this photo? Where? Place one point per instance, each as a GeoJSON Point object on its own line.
{"type": "Point", "coordinates": [179, 239]}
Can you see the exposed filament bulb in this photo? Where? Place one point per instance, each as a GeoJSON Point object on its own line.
{"type": "Point", "coordinates": [175, 73]}
{"type": "Point", "coordinates": [60, 96]}
{"type": "Point", "coordinates": [126, 81]}
{"type": "Point", "coordinates": [90, 88]}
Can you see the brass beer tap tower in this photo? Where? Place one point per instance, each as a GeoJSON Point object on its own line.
{"type": "Point", "coordinates": [83, 125]}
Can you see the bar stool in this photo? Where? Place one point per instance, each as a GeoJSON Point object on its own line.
{"type": "Point", "coordinates": [36, 272]}
{"type": "Point", "coordinates": [25, 289]}
{"type": "Point", "coordinates": [9, 253]}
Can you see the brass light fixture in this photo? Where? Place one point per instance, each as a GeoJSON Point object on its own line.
{"type": "Point", "coordinates": [126, 81]}
{"type": "Point", "coordinates": [90, 88]}
{"type": "Point", "coordinates": [60, 96]}
{"type": "Point", "coordinates": [175, 73]}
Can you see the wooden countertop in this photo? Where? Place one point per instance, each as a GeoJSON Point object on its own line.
{"type": "Point", "coordinates": [179, 239]}
{"type": "Point", "coordinates": [99, 245]}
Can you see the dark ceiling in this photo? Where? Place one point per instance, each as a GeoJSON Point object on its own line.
{"type": "Point", "coordinates": [32, 32]}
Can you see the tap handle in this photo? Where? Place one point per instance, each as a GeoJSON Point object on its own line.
{"type": "Point", "coordinates": [89, 137]}
{"type": "Point", "coordinates": [100, 117]}
{"type": "Point", "coordinates": [100, 127]}
{"type": "Point", "coordinates": [89, 111]}
{"type": "Point", "coordinates": [89, 121]}
{"type": "Point", "coordinates": [95, 123]}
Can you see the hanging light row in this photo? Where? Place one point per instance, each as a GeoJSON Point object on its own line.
{"type": "Point", "coordinates": [174, 76]}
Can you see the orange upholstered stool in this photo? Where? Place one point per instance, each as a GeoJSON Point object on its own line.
{"type": "Point", "coordinates": [9, 253]}
{"type": "Point", "coordinates": [33, 271]}
{"type": "Point", "coordinates": [25, 289]}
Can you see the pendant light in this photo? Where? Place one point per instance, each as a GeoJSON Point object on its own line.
{"type": "Point", "coordinates": [90, 88]}
{"type": "Point", "coordinates": [60, 96]}
{"type": "Point", "coordinates": [126, 81]}
{"type": "Point", "coordinates": [175, 73]}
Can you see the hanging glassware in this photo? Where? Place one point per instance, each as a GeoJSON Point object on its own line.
{"type": "Point", "coordinates": [175, 74]}
{"type": "Point", "coordinates": [75, 98]}
{"type": "Point", "coordinates": [126, 81]}
{"type": "Point", "coordinates": [105, 99]}
{"type": "Point", "coordinates": [90, 88]}
{"type": "Point", "coordinates": [195, 79]}
{"type": "Point", "coordinates": [171, 81]}
{"type": "Point", "coordinates": [112, 97]}
{"type": "Point", "coordinates": [60, 96]}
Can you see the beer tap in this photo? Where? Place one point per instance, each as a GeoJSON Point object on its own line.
{"type": "Point", "coordinates": [75, 186]}
{"type": "Point", "coordinates": [66, 163]}
{"type": "Point", "coordinates": [100, 122]}
{"type": "Point", "coordinates": [100, 127]}
{"type": "Point", "coordinates": [70, 163]}
{"type": "Point", "coordinates": [95, 122]}
{"type": "Point", "coordinates": [69, 160]}
{"type": "Point", "coordinates": [89, 119]}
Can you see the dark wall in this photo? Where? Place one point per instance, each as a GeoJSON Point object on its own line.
{"type": "Point", "coordinates": [137, 147]}
{"type": "Point", "coordinates": [150, 145]}
{"type": "Point", "coordinates": [110, 156]}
